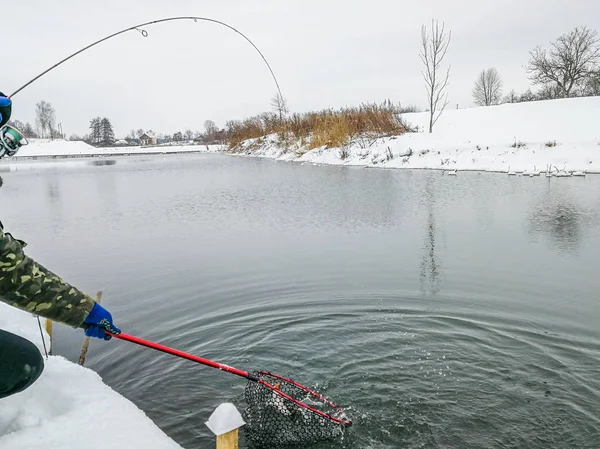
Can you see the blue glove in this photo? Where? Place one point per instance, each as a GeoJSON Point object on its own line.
{"type": "Point", "coordinates": [5, 109]}
{"type": "Point", "coordinates": [98, 322]}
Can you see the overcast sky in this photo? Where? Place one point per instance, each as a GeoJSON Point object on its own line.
{"type": "Point", "coordinates": [325, 53]}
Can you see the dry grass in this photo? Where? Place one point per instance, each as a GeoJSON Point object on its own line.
{"type": "Point", "coordinates": [331, 128]}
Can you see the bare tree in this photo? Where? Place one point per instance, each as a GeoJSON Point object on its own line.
{"type": "Point", "coordinates": [488, 88]}
{"type": "Point", "coordinates": [188, 134]}
{"type": "Point", "coordinates": [511, 97]}
{"type": "Point", "coordinates": [279, 105]}
{"type": "Point", "coordinates": [28, 131]}
{"type": "Point", "coordinates": [17, 124]}
{"type": "Point", "coordinates": [432, 54]}
{"type": "Point", "coordinates": [210, 128]}
{"type": "Point", "coordinates": [45, 118]}
{"type": "Point", "coordinates": [572, 59]}
{"type": "Point", "coordinates": [549, 91]}
{"type": "Point", "coordinates": [592, 85]}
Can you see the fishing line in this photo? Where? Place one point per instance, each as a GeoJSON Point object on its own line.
{"type": "Point", "coordinates": [144, 33]}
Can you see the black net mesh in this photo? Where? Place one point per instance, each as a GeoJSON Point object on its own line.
{"type": "Point", "coordinates": [273, 421]}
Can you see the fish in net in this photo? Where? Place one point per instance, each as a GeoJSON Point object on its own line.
{"type": "Point", "coordinates": [282, 413]}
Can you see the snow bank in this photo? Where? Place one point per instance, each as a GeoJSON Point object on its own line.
{"type": "Point", "coordinates": [520, 137]}
{"type": "Point", "coordinates": [42, 148]}
{"type": "Point", "coordinates": [69, 406]}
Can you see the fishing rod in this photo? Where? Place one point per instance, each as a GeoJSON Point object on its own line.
{"type": "Point", "coordinates": [144, 33]}
{"type": "Point", "coordinates": [11, 139]}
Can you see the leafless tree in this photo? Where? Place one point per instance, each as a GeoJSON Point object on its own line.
{"type": "Point", "coordinates": [210, 128]}
{"type": "Point", "coordinates": [432, 54]}
{"type": "Point", "coordinates": [279, 105]}
{"type": "Point", "coordinates": [45, 118]}
{"type": "Point", "coordinates": [139, 133]}
{"type": "Point", "coordinates": [188, 134]}
{"type": "Point", "coordinates": [488, 88]}
{"type": "Point", "coordinates": [17, 124]}
{"type": "Point", "coordinates": [511, 97]}
{"type": "Point", "coordinates": [592, 85]}
{"type": "Point", "coordinates": [572, 59]}
{"type": "Point", "coordinates": [28, 131]}
{"type": "Point", "coordinates": [549, 91]}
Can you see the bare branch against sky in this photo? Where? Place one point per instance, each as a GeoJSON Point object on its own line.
{"type": "Point", "coordinates": [324, 54]}
{"type": "Point", "coordinates": [434, 46]}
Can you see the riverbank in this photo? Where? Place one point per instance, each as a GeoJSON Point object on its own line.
{"type": "Point", "coordinates": [50, 149]}
{"type": "Point", "coordinates": [559, 135]}
{"type": "Point", "coordinates": [70, 405]}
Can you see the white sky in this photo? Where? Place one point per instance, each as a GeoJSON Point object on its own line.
{"type": "Point", "coordinates": [324, 53]}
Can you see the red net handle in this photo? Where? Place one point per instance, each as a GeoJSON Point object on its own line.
{"type": "Point", "coordinates": [183, 355]}
{"type": "Point", "coordinates": [245, 374]}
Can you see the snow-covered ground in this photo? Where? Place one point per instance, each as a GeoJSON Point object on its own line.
{"type": "Point", "coordinates": [43, 148]}
{"type": "Point", "coordinates": [563, 134]}
{"type": "Point", "coordinates": [69, 407]}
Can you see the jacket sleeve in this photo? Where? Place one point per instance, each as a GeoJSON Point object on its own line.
{"type": "Point", "coordinates": [27, 285]}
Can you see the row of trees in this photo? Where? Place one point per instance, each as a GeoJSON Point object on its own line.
{"type": "Point", "coordinates": [101, 132]}
{"type": "Point", "coordinates": [45, 123]}
{"type": "Point", "coordinates": [569, 68]}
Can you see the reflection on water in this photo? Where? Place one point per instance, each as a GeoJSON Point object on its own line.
{"type": "Point", "coordinates": [562, 224]}
{"type": "Point", "coordinates": [563, 216]}
{"type": "Point", "coordinates": [102, 162]}
{"type": "Point", "coordinates": [442, 312]}
{"type": "Point", "coordinates": [430, 270]}
{"type": "Point", "coordinates": [53, 190]}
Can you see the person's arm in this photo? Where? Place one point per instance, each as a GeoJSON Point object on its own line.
{"type": "Point", "coordinates": [29, 286]}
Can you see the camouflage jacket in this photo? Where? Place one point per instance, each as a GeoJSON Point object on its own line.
{"type": "Point", "coordinates": [27, 285]}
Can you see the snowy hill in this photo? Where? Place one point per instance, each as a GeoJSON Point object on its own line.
{"type": "Point", "coordinates": [562, 133]}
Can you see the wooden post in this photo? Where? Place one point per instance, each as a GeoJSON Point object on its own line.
{"type": "Point", "coordinates": [224, 423]}
{"type": "Point", "coordinates": [48, 327]}
{"type": "Point", "coordinates": [86, 340]}
{"type": "Point", "coordinates": [228, 440]}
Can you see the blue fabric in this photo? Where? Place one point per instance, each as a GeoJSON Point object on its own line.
{"type": "Point", "coordinates": [5, 109]}
{"type": "Point", "coordinates": [98, 322]}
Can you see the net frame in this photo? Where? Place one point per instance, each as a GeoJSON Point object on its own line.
{"type": "Point", "coordinates": [314, 426]}
{"type": "Point", "coordinates": [282, 413]}
{"type": "Point", "coordinates": [345, 421]}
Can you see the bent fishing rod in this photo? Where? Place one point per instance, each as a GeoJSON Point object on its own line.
{"type": "Point", "coordinates": [11, 139]}
{"type": "Point", "coordinates": [144, 33]}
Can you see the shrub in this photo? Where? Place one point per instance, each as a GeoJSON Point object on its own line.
{"type": "Point", "coordinates": [329, 127]}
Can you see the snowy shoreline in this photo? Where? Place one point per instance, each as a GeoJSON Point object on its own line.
{"type": "Point", "coordinates": [43, 149]}
{"type": "Point", "coordinates": [561, 136]}
{"type": "Point", "coordinates": [70, 405]}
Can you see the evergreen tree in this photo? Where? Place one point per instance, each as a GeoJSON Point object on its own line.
{"type": "Point", "coordinates": [107, 132]}
{"type": "Point", "coordinates": [95, 130]}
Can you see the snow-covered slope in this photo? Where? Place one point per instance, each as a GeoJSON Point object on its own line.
{"type": "Point", "coordinates": [69, 407]}
{"type": "Point", "coordinates": [562, 133]}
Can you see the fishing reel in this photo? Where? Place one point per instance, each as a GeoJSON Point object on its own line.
{"type": "Point", "coordinates": [11, 140]}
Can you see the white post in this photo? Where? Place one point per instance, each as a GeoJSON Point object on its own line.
{"type": "Point", "coordinates": [224, 423]}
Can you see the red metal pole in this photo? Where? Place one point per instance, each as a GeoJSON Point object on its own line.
{"type": "Point", "coordinates": [183, 355]}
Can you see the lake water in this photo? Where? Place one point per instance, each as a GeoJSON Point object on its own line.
{"type": "Point", "coordinates": [439, 311]}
